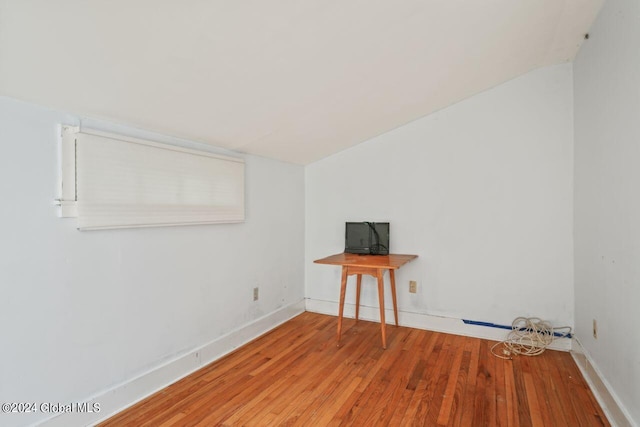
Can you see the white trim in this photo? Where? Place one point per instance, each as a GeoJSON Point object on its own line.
{"type": "Point", "coordinates": [134, 390]}
{"type": "Point", "coordinates": [615, 411]}
{"type": "Point", "coordinates": [447, 325]}
{"type": "Point", "coordinates": [170, 147]}
{"type": "Point", "coordinates": [67, 179]}
{"type": "Point", "coordinates": [68, 209]}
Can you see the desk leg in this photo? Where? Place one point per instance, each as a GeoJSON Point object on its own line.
{"type": "Point", "coordinates": [392, 275]}
{"type": "Point", "coordinates": [358, 285]}
{"type": "Point", "coordinates": [381, 299]}
{"type": "Point", "coordinates": [343, 290]}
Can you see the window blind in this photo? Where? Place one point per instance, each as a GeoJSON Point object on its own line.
{"type": "Point", "coordinates": [125, 182]}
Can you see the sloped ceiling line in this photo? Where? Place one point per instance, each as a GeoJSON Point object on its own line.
{"type": "Point", "coordinates": [294, 81]}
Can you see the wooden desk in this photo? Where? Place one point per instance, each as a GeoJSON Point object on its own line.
{"type": "Point", "coordinates": [372, 265]}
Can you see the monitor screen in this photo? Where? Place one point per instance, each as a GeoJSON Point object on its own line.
{"type": "Point", "coordinates": [367, 238]}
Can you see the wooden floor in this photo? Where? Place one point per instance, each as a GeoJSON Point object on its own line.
{"type": "Point", "coordinates": [296, 375]}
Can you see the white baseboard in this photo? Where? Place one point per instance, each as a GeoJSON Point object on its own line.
{"type": "Point", "coordinates": [616, 412]}
{"type": "Point", "coordinates": [130, 392]}
{"type": "Point", "coordinates": [448, 325]}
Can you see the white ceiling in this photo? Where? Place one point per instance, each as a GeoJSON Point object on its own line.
{"type": "Point", "coordinates": [290, 80]}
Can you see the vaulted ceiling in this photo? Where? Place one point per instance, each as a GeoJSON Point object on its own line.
{"type": "Point", "coordinates": [290, 80]}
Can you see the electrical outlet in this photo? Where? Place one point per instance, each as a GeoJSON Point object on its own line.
{"type": "Point", "coordinates": [255, 294]}
{"type": "Point", "coordinates": [595, 329]}
{"type": "Point", "coordinates": [413, 286]}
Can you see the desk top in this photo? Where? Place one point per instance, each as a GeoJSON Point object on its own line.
{"type": "Point", "coordinates": [391, 261]}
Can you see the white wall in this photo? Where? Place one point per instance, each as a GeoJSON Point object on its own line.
{"type": "Point", "coordinates": [481, 191]}
{"type": "Point", "coordinates": [84, 311]}
{"type": "Point", "coordinates": [607, 202]}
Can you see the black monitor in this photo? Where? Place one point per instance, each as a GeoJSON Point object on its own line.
{"type": "Point", "coordinates": [370, 238]}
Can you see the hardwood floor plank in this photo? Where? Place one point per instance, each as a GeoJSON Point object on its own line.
{"type": "Point", "coordinates": [429, 409]}
{"type": "Point", "coordinates": [392, 384]}
{"type": "Point", "coordinates": [296, 375]}
{"type": "Point", "coordinates": [479, 406]}
{"type": "Point", "coordinates": [173, 420]}
{"type": "Point", "coordinates": [466, 415]}
{"type": "Point", "coordinates": [461, 386]}
{"type": "Point", "coordinates": [490, 394]}
{"type": "Point", "coordinates": [532, 399]}
{"type": "Point", "coordinates": [587, 410]}
{"type": "Point", "coordinates": [352, 354]}
{"type": "Point", "coordinates": [511, 398]}
{"type": "Point", "coordinates": [548, 411]}
{"type": "Point", "coordinates": [449, 392]}
{"type": "Point", "coordinates": [500, 393]}
{"type": "Point", "coordinates": [521, 367]}
{"type": "Point", "coordinates": [420, 392]}
{"type": "Point", "coordinates": [415, 372]}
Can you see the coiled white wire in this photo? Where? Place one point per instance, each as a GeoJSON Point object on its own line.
{"type": "Point", "coordinates": [529, 336]}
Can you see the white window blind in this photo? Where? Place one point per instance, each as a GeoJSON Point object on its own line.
{"type": "Point", "coordinates": [125, 182]}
